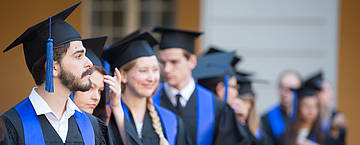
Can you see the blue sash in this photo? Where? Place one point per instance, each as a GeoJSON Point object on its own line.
{"type": "Point", "coordinates": [277, 123]}
{"type": "Point", "coordinates": [205, 113]}
{"type": "Point", "coordinates": [33, 134]}
{"type": "Point", "coordinates": [258, 134]}
{"type": "Point", "coordinates": [168, 120]}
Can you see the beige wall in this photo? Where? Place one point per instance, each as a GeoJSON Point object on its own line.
{"type": "Point", "coordinates": [349, 67]}
{"type": "Point", "coordinates": [17, 16]}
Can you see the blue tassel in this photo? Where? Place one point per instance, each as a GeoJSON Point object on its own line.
{"type": "Point", "coordinates": [226, 84]}
{"type": "Point", "coordinates": [295, 99]}
{"type": "Point", "coordinates": [49, 81]}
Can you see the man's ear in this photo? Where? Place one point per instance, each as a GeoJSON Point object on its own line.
{"type": "Point", "coordinates": [56, 69]}
{"type": "Point", "coordinates": [192, 61]}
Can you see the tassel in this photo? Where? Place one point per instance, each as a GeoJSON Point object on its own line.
{"type": "Point", "coordinates": [49, 81]}
{"type": "Point", "coordinates": [226, 84]}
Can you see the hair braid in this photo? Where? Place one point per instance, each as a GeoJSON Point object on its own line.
{"type": "Point", "coordinates": [156, 123]}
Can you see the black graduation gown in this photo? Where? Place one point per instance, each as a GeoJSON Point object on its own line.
{"type": "Point", "coordinates": [225, 130]}
{"type": "Point", "coordinates": [266, 127]}
{"type": "Point", "coordinates": [252, 140]}
{"type": "Point", "coordinates": [15, 132]}
{"type": "Point", "coordinates": [149, 136]}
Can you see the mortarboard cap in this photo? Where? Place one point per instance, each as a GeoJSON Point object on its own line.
{"type": "Point", "coordinates": [176, 38]}
{"type": "Point", "coordinates": [94, 49]}
{"type": "Point", "coordinates": [129, 48]}
{"type": "Point", "coordinates": [39, 40]}
{"type": "Point", "coordinates": [315, 81]}
{"type": "Point", "coordinates": [213, 49]}
{"type": "Point", "coordinates": [213, 65]}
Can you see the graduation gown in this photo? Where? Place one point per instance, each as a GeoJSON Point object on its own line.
{"type": "Point", "coordinates": [15, 131]}
{"type": "Point", "coordinates": [149, 136]}
{"type": "Point", "coordinates": [328, 139]}
{"type": "Point", "coordinates": [225, 127]}
{"type": "Point", "coordinates": [262, 139]}
{"type": "Point", "coordinates": [268, 128]}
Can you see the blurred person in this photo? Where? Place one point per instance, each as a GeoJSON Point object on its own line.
{"type": "Point", "coordinates": [244, 107]}
{"type": "Point", "coordinates": [306, 128]}
{"type": "Point", "coordinates": [207, 119]}
{"type": "Point", "coordinates": [333, 122]}
{"type": "Point", "coordinates": [275, 120]}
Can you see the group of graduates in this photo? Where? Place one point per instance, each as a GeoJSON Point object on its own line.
{"type": "Point", "coordinates": [126, 94]}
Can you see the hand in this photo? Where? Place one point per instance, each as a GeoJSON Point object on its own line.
{"type": "Point", "coordinates": [339, 121]}
{"type": "Point", "coordinates": [115, 88]}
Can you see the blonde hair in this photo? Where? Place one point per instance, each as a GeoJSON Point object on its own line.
{"type": "Point", "coordinates": [253, 119]}
{"type": "Point", "coordinates": [156, 122]}
{"type": "Point", "coordinates": [155, 118]}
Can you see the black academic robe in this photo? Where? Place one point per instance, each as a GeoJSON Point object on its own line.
{"type": "Point", "coordinates": [252, 140]}
{"type": "Point", "coordinates": [149, 136]}
{"type": "Point", "coordinates": [266, 126]}
{"type": "Point", "coordinates": [225, 129]}
{"type": "Point", "coordinates": [15, 131]}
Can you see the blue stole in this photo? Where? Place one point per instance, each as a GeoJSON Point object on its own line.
{"type": "Point", "coordinates": [205, 113]}
{"type": "Point", "coordinates": [258, 134]}
{"type": "Point", "coordinates": [168, 120]}
{"type": "Point", "coordinates": [33, 134]}
{"type": "Point", "coordinates": [277, 124]}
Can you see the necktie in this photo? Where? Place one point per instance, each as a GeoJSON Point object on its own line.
{"type": "Point", "coordinates": [178, 104]}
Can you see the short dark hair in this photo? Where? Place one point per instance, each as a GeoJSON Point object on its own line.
{"type": "Point", "coordinates": [38, 69]}
{"type": "Point", "coordinates": [187, 54]}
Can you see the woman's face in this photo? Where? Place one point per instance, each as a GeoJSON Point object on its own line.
{"type": "Point", "coordinates": [241, 109]}
{"type": "Point", "coordinates": [309, 109]}
{"type": "Point", "coordinates": [232, 90]}
{"type": "Point", "coordinates": [87, 101]}
{"type": "Point", "coordinates": [143, 78]}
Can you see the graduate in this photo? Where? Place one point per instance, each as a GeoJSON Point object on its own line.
{"type": "Point", "coordinates": [223, 83]}
{"type": "Point", "coordinates": [306, 128]}
{"type": "Point", "coordinates": [245, 109]}
{"type": "Point", "coordinates": [333, 121]}
{"type": "Point", "coordinates": [275, 120]}
{"type": "Point", "coordinates": [135, 119]}
{"type": "Point", "coordinates": [94, 100]}
{"type": "Point", "coordinates": [56, 59]}
{"type": "Point", "coordinates": [207, 119]}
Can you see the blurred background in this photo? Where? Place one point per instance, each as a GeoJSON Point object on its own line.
{"type": "Point", "coordinates": [271, 36]}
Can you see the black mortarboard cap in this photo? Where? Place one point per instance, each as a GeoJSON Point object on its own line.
{"type": "Point", "coordinates": [315, 81]}
{"type": "Point", "coordinates": [234, 62]}
{"type": "Point", "coordinates": [94, 49]}
{"type": "Point", "coordinates": [245, 83]}
{"type": "Point", "coordinates": [176, 38]}
{"type": "Point", "coordinates": [306, 91]}
{"type": "Point", "coordinates": [39, 41]}
{"type": "Point", "coordinates": [129, 48]}
{"type": "Point", "coordinates": [214, 65]}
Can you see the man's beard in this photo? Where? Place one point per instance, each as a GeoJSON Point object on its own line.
{"type": "Point", "coordinates": [73, 83]}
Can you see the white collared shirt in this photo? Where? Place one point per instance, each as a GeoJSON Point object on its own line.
{"type": "Point", "coordinates": [185, 92]}
{"type": "Point", "coordinates": [41, 107]}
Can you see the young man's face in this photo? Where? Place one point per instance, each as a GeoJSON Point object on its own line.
{"type": "Point", "coordinates": [76, 68]}
{"type": "Point", "coordinates": [176, 67]}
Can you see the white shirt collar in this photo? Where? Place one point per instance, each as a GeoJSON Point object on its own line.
{"type": "Point", "coordinates": [185, 92]}
{"type": "Point", "coordinates": [41, 107]}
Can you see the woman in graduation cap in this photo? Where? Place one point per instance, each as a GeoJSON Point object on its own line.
{"type": "Point", "coordinates": [135, 119]}
{"type": "Point", "coordinates": [244, 106]}
{"type": "Point", "coordinates": [306, 128]}
{"type": "Point", "coordinates": [94, 100]}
